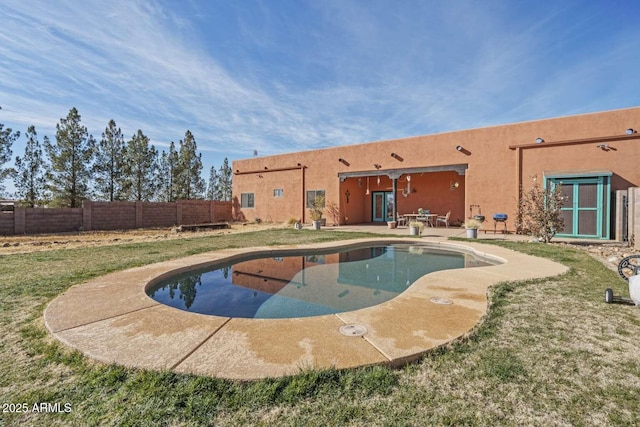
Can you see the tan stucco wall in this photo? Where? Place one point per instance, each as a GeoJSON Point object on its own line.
{"type": "Point", "coordinates": [491, 179]}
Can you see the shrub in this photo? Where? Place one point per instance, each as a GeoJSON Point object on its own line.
{"type": "Point", "coordinates": [316, 208]}
{"type": "Point", "coordinates": [539, 212]}
{"type": "Point", "coordinates": [333, 211]}
{"type": "Point", "coordinates": [291, 221]}
{"type": "Point", "coordinates": [416, 224]}
{"type": "Point", "coordinates": [472, 224]}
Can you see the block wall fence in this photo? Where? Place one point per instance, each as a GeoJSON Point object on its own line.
{"type": "Point", "coordinates": [113, 216]}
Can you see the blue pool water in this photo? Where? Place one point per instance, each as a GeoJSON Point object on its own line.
{"type": "Point", "coordinates": [309, 284]}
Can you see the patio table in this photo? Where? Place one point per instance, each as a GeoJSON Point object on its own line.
{"type": "Point", "coordinates": [426, 218]}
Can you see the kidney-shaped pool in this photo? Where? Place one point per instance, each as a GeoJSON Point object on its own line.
{"type": "Point", "coordinates": [307, 283]}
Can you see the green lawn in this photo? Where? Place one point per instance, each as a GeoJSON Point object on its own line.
{"type": "Point", "coordinates": [550, 352]}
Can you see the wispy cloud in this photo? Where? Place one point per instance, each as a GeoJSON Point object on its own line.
{"type": "Point", "coordinates": [294, 76]}
{"type": "Point", "coordinates": [118, 60]}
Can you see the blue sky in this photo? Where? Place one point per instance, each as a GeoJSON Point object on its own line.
{"type": "Point", "coordinates": [282, 75]}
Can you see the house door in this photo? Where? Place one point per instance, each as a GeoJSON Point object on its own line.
{"type": "Point", "coordinates": [383, 205]}
{"type": "Point", "coordinates": [585, 211]}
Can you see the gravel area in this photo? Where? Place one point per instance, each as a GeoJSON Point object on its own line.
{"type": "Point", "coordinates": [609, 253]}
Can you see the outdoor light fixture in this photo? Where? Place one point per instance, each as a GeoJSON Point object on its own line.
{"type": "Point", "coordinates": [631, 131]}
{"type": "Point", "coordinates": [539, 140]}
{"type": "Point", "coordinates": [454, 185]}
{"type": "Point", "coordinates": [463, 150]}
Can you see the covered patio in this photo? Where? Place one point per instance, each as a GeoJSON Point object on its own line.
{"type": "Point", "coordinates": [381, 195]}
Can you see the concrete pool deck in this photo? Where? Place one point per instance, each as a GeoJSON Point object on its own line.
{"type": "Point", "coordinates": [111, 319]}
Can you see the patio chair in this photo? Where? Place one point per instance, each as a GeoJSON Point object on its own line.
{"type": "Point", "coordinates": [402, 220]}
{"type": "Point", "coordinates": [444, 219]}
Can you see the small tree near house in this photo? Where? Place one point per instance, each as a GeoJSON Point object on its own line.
{"type": "Point", "coordinates": [317, 206]}
{"type": "Point", "coordinates": [333, 210]}
{"type": "Point", "coordinates": [539, 211]}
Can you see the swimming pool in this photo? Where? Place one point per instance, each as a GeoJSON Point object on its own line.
{"type": "Point", "coordinates": [309, 283]}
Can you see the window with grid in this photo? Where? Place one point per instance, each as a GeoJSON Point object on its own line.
{"type": "Point", "coordinates": [246, 200]}
{"type": "Point", "coordinates": [278, 192]}
{"type": "Point", "coordinates": [311, 197]}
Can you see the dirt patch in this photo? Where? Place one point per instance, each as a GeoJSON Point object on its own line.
{"type": "Point", "coordinates": [46, 242]}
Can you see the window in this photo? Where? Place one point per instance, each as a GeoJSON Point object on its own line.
{"type": "Point", "coordinates": [246, 200]}
{"type": "Point", "coordinates": [278, 192]}
{"type": "Point", "coordinates": [311, 196]}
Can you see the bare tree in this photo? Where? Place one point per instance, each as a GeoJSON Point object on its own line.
{"type": "Point", "coordinates": [539, 211]}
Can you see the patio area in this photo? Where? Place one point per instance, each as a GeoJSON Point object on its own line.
{"type": "Point", "coordinates": [438, 233]}
{"type": "Point", "coordinates": [485, 233]}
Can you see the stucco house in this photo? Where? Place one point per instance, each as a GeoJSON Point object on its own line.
{"type": "Point", "coordinates": [470, 172]}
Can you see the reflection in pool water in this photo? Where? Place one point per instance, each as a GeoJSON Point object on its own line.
{"type": "Point", "coordinates": [310, 284]}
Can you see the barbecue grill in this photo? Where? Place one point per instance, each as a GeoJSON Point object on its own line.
{"type": "Point", "coordinates": [500, 217]}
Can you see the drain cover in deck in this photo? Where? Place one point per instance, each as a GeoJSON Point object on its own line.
{"type": "Point", "coordinates": [353, 330]}
{"type": "Point", "coordinates": [440, 300]}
